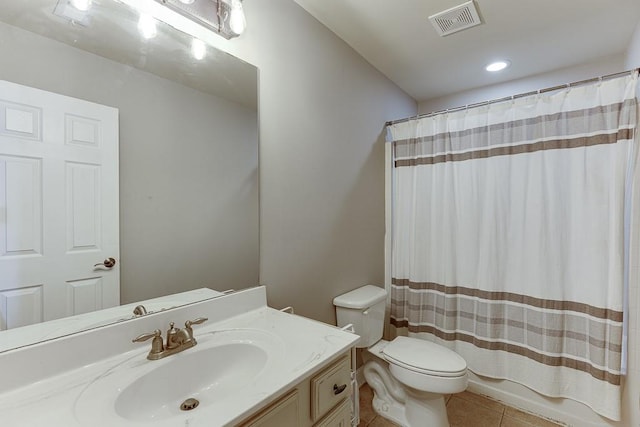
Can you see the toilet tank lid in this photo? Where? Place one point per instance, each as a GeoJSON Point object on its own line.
{"type": "Point", "coordinates": [363, 297]}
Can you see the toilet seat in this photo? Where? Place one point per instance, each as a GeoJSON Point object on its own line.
{"type": "Point", "coordinates": [424, 357]}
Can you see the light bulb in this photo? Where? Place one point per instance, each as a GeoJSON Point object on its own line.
{"type": "Point", "coordinates": [198, 49]}
{"type": "Point", "coordinates": [187, 1]}
{"type": "Point", "coordinates": [147, 26]}
{"type": "Point", "coordinates": [237, 21]}
{"type": "Point", "coordinates": [81, 5]}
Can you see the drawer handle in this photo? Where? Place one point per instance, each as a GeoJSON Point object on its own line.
{"type": "Point", "coordinates": [339, 389]}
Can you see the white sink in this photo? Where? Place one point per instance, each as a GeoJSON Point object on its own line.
{"type": "Point", "coordinates": [222, 366]}
{"type": "Point", "coordinates": [208, 375]}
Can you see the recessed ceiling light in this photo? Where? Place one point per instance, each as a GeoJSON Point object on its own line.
{"type": "Point", "coordinates": [497, 66]}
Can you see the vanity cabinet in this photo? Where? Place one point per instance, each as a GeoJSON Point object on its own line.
{"type": "Point", "coordinates": [321, 400]}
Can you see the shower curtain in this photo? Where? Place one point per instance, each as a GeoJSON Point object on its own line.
{"type": "Point", "coordinates": [510, 237]}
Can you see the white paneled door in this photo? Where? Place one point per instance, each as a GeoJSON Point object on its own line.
{"type": "Point", "coordinates": [58, 206]}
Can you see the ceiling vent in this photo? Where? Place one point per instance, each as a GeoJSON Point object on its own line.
{"type": "Point", "coordinates": [456, 19]}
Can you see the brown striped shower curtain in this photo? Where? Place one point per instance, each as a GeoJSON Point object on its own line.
{"type": "Point", "coordinates": [510, 237]}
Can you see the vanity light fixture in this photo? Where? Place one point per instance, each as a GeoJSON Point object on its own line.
{"type": "Point", "coordinates": [81, 5]}
{"type": "Point", "coordinates": [200, 18]}
{"type": "Point", "coordinates": [147, 26]}
{"type": "Point", "coordinates": [497, 66]}
{"type": "Point", "coordinates": [198, 49]}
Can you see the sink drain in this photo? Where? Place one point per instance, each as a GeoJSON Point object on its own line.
{"type": "Point", "coordinates": [189, 404]}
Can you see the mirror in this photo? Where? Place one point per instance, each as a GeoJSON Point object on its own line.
{"type": "Point", "coordinates": [188, 155]}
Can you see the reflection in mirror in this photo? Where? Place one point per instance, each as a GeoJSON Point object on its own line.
{"type": "Point", "coordinates": [38, 332]}
{"type": "Point", "coordinates": [113, 145]}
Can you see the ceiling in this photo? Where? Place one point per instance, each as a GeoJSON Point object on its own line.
{"type": "Point", "coordinates": [537, 36]}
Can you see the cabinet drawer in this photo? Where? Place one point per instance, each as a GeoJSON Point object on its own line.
{"type": "Point", "coordinates": [339, 417]}
{"type": "Point", "coordinates": [330, 387]}
{"type": "Point", "coordinates": [284, 412]}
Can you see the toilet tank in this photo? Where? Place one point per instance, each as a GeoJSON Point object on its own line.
{"type": "Point", "coordinates": [364, 309]}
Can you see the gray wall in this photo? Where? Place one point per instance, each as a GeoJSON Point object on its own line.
{"type": "Point", "coordinates": [322, 115]}
{"type": "Point", "coordinates": [188, 168]}
{"type": "Point", "coordinates": [603, 66]}
{"type": "Point", "coordinates": [633, 53]}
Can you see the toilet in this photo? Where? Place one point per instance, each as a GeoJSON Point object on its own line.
{"type": "Point", "coordinates": [409, 376]}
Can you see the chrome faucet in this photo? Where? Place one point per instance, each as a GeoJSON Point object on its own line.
{"type": "Point", "coordinates": [177, 339]}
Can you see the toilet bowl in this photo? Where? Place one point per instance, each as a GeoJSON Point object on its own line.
{"type": "Point", "coordinates": [409, 376]}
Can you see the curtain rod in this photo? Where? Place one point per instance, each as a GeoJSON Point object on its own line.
{"type": "Point", "coordinates": [512, 97]}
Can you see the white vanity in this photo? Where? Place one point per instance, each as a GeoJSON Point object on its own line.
{"type": "Point", "coordinates": [252, 366]}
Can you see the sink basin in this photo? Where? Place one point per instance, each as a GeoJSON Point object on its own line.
{"type": "Point", "coordinates": [208, 375]}
{"type": "Point", "coordinates": [223, 365]}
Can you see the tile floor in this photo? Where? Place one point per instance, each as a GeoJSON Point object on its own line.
{"type": "Point", "coordinates": [464, 410]}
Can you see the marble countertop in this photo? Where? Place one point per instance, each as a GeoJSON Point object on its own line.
{"type": "Point", "coordinates": [298, 348]}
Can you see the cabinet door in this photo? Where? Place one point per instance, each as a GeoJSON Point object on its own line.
{"type": "Point", "coordinates": [283, 413]}
{"type": "Point", "coordinates": [339, 417]}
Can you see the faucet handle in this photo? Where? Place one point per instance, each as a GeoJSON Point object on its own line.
{"type": "Point", "coordinates": [155, 334]}
{"type": "Point", "coordinates": [197, 321]}
{"type": "Point", "coordinates": [156, 345]}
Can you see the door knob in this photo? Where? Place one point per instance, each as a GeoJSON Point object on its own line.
{"type": "Point", "coordinates": [107, 263]}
